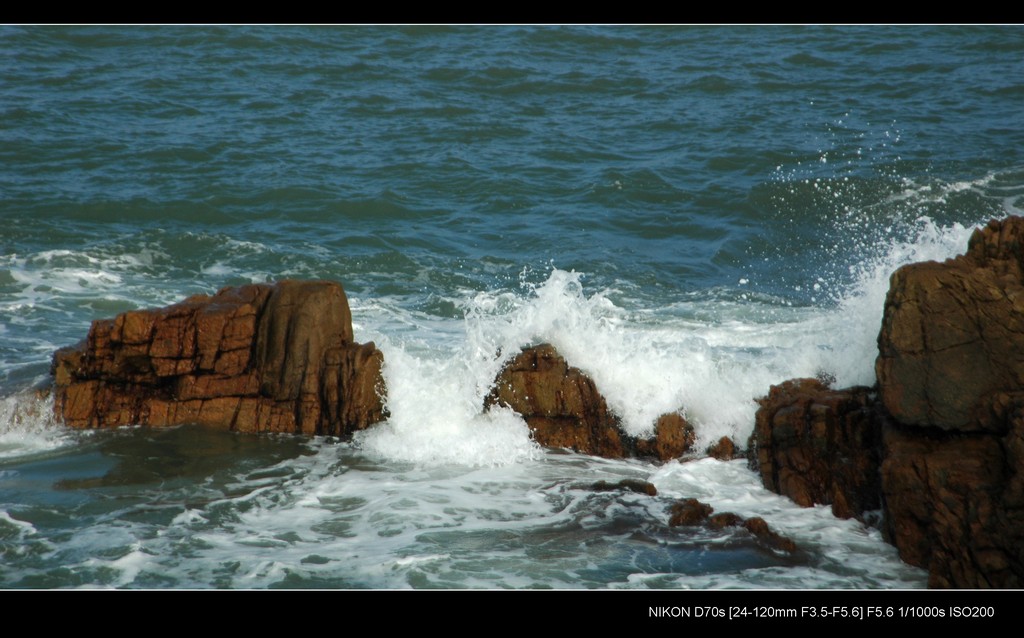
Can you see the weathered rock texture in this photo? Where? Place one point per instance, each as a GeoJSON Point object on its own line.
{"type": "Point", "coordinates": [950, 414]}
{"type": "Point", "coordinates": [817, 445]}
{"type": "Point", "coordinates": [955, 502]}
{"type": "Point", "coordinates": [951, 373]}
{"type": "Point", "coordinates": [563, 408]}
{"type": "Point", "coordinates": [953, 333]}
{"type": "Point", "coordinates": [256, 358]}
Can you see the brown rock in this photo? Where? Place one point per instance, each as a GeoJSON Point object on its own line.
{"type": "Point", "coordinates": [725, 519]}
{"type": "Point", "coordinates": [689, 512]}
{"type": "Point", "coordinates": [560, 404]}
{"type": "Point", "coordinates": [563, 408]}
{"type": "Point", "coordinates": [817, 445]}
{"type": "Point", "coordinates": [723, 450]}
{"type": "Point", "coordinates": [253, 358]}
{"type": "Point", "coordinates": [951, 373]}
{"type": "Point", "coordinates": [759, 528]}
{"type": "Point", "coordinates": [953, 333]}
{"type": "Point", "coordinates": [955, 502]}
{"type": "Point", "coordinates": [673, 437]}
{"type": "Point", "coordinates": [626, 485]}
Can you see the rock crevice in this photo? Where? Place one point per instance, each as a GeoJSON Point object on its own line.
{"type": "Point", "coordinates": [254, 358]}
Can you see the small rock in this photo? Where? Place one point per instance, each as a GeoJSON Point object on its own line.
{"type": "Point", "coordinates": [724, 450]}
{"type": "Point", "coordinates": [689, 512]}
{"type": "Point", "coordinates": [628, 485]}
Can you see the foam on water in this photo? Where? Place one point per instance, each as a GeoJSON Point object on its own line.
{"type": "Point", "coordinates": [646, 361]}
{"type": "Point", "coordinates": [435, 404]}
{"type": "Point", "coordinates": [27, 426]}
{"type": "Point", "coordinates": [852, 326]}
{"type": "Point", "coordinates": [334, 517]}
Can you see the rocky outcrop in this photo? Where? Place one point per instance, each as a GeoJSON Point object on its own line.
{"type": "Point", "coordinates": [946, 432]}
{"type": "Point", "coordinates": [953, 333]}
{"type": "Point", "coordinates": [255, 358]}
{"type": "Point", "coordinates": [950, 370]}
{"type": "Point", "coordinates": [819, 446]}
{"type": "Point", "coordinates": [563, 408]}
{"type": "Point", "coordinates": [955, 502]}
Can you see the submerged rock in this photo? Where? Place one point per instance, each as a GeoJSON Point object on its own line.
{"type": "Point", "coordinates": [626, 485]}
{"type": "Point", "coordinates": [254, 358]}
{"type": "Point", "coordinates": [759, 528]}
{"type": "Point", "coordinates": [563, 408]}
{"type": "Point", "coordinates": [690, 512]}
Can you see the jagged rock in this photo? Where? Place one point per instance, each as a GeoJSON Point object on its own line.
{"type": "Point", "coordinates": [253, 358]}
{"type": "Point", "coordinates": [953, 333]}
{"type": "Point", "coordinates": [951, 373]}
{"type": "Point", "coordinates": [950, 412]}
{"type": "Point", "coordinates": [563, 408]}
{"type": "Point", "coordinates": [561, 404]}
{"type": "Point", "coordinates": [817, 445]}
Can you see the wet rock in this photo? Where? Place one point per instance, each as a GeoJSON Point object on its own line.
{"type": "Point", "coordinates": [817, 445]}
{"type": "Point", "coordinates": [253, 358]}
{"type": "Point", "coordinates": [689, 512]}
{"type": "Point", "coordinates": [560, 403]}
{"type": "Point", "coordinates": [673, 437]}
{"type": "Point", "coordinates": [759, 528]}
{"type": "Point", "coordinates": [723, 450]}
{"type": "Point", "coordinates": [626, 485]}
{"type": "Point", "coordinates": [725, 519]}
{"type": "Point", "coordinates": [951, 373]}
{"type": "Point", "coordinates": [563, 408]}
{"type": "Point", "coordinates": [950, 413]}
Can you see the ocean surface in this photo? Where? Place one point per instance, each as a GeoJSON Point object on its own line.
{"type": "Point", "coordinates": [690, 214]}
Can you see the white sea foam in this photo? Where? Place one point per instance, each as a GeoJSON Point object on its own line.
{"type": "Point", "coordinates": [338, 517]}
{"type": "Point", "coordinates": [27, 426]}
{"type": "Point", "coordinates": [435, 402]}
{"type": "Point", "coordinates": [646, 361]}
{"type": "Point", "coordinates": [852, 327]}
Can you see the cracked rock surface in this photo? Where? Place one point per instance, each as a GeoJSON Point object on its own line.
{"type": "Point", "coordinates": [256, 358]}
{"type": "Point", "coordinates": [953, 333]}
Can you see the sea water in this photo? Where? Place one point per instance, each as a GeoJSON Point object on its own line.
{"type": "Point", "coordinates": [689, 214]}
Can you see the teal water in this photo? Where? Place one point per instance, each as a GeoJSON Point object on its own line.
{"type": "Point", "coordinates": [689, 213]}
